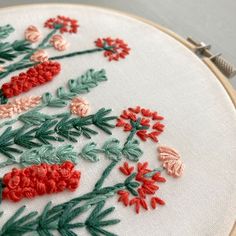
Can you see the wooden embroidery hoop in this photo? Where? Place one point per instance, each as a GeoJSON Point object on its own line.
{"type": "Point", "coordinates": [206, 59]}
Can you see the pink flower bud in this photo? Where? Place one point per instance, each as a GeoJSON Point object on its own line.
{"type": "Point", "coordinates": [59, 43]}
{"type": "Point", "coordinates": [79, 107]}
{"type": "Point", "coordinates": [2, 69]}
{"type": "Point", "coordinates": [39, 56]}
{"type": "Point", "coordinates": [32, 34]}
{"type": "Point", "coordinates": [171, 161]}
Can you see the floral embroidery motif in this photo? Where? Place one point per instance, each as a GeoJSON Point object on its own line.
{"type": "Point", "coordinates": [32, 34]}
{"type": "Point", "coordinates": [138, 121]}
{"type": "Point", "coordinates": [145, 185]}
{"type": "Point", "coordinates": [171, 161]}
{"type": "Point", "coordinates": [39, 56]}
{"type": "Point", "coordinates": [65, 24]}
{"type": "Point", "coordinates": [18, 105]}
{"type": "Point", "coordinates": [39, 180]}
{"type": "Point", "coordinates": [59, 43]}
{"type": "Point", "coordinates": [49, 169]}
{"type": "Point", "coordinates": [33, 77]}
{"type": "Point", "coordinates": [115, 49]}
{"type": "Point", "coordinates": [79, 107]}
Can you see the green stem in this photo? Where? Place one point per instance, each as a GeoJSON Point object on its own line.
{"type": "Point", "coordinates": [105, 174]}
{"type": "Point", "coordinates": [76, 53]}
{"type": "Point", "coordinates": [21, 64]}
{"type": "Point", "coordinates": [154, 171]}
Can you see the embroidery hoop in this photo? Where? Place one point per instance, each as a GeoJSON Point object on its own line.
{"type": "Point", "coordinates": [227, 86]}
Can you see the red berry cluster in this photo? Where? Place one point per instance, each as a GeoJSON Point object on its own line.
{"type": "Point", "coordinates": [114, 48]}
{"type": "Point", "coordinates": [35, 76]}
{"type": "Point", "coordinates": [147, 186]}
{"type": "Point", "coordinates": [65, 24]}
{"type": "Point", "coordinates": [145, 116]}
{"type": "Point", "coordinates": [39, 180]}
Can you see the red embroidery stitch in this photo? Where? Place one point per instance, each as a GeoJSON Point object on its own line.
{"type": "Point", "coordinates": [140, 122]}
{"type": "Point", "coordinates": [33, 77]}
{"type": "Point", "coordinates": [115, 49]}
{"type": "Point", "coordinates": [39, 180]}
{"type": "Point", "coordinates": [65, 24]}
{"type": "Point", "coordinates": [148, 186]}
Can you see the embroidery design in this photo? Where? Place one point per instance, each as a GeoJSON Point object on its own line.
{"type": "Point", "coordinates": [39, 180]}
{"type": "Point", "coordinates": [137, 121]}
{"type": "Point", "coordinates": [43, 168]}
{"type": "Point", "coordinates": [114, 49]}
{"type": "Point", "coordinates": [81, 85]}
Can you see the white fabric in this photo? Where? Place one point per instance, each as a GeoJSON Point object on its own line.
{"type": "Point", "coordinates": [163, 75]}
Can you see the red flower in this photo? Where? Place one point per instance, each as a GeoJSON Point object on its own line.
{"type": "Point", "coordinates": [147, 186]}
{"type": "Point", "coordinates": [114, 48]}
{"type": "Point", "coordinates": [125, 169]}
{"type": "Point", "coordinates": [155, 201]}
{"type": "Point", "coordinates": [138, 202]}
{"type": "Point", "coordinates": [139, 120]}
{"type": "Point", "coordinates": [34, 76]}
{"type": "Point", "coordinates": [65, 24]}
{"type": "Point", "coordinates": [124, 197]}
{"type": "Point", "coordinates": [39, 180]}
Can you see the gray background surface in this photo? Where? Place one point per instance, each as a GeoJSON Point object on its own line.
{"type": "Point", "coordinates": [210, 21]}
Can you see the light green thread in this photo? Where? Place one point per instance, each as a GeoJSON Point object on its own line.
{"type": "Point", "coordinates": [5, 31]}
{"type": "Point", "coordinates": [53, 129]}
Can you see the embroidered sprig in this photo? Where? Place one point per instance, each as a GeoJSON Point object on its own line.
{"type": "Point", "coordinates": [147, 186]}
{"type": "Point", "coordinates": [115, 49]}
{"type": "Point", "coordinates": [33, 77]}
{"type": "Point", "coordinates": [138, 121]}
{"type": "Point", "coordinates": [52, 129]}
{"type": "Point", "coordinates": [18, 106]}
{"type": "Point", "coordinates": [39, 180]}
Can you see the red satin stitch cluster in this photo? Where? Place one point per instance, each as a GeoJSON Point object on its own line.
{"type": "Point", "coordinates": [39, 180]}
{"type": "Point", "coordinates": [147, 187]}
{"type": "Point", "coordinates": [33, 77]}
{"type": "Point", "coordinates": [115, 49]}
{"type": "Point", "coordinates": [66, 24]}
{"type": "Point", "coordinates": [148, 119]}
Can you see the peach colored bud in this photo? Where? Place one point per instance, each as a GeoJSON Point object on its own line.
{"type": "Point", "coordinates": [171, 161]}
{"type": "Point", "coordinates": [2, 69]}
{"type": "Point", "coordinates": [18, 105]}
{"type": "Point", "coordinates": [79, 107]}
{"type": "Point", "coordinates": [32, 34]}
{"type": "Point", "coordinates": [39, 56]}
{"type": "Point", "coordinates": [59, 43]}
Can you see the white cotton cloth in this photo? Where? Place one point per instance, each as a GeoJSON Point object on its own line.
{"type": "Point", "coordinates": [161, 74]}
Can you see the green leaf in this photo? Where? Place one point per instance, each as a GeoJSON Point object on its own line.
{"type": "Point", "coordinates": [100, 119]}
{"type": "Point", "coordinates": [132, 150]}
{"type": "Point", "coordinates": [112, 149]}
{"type": "Point", "coordinates": [89, 152]}
{"type": "Point", "coordinates": [34, 118]}
{"type": "Point", "coordinates": [62, 94]}
{"type": "Point", "coordinates": [5, 31]}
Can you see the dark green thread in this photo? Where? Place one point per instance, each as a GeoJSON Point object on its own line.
{"type": "Point", "coordinates": [11, 51]}
{"type": "Point", "coordinates": [52, 129]}
{"type": "Point", "coordinates": [61, 218]}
